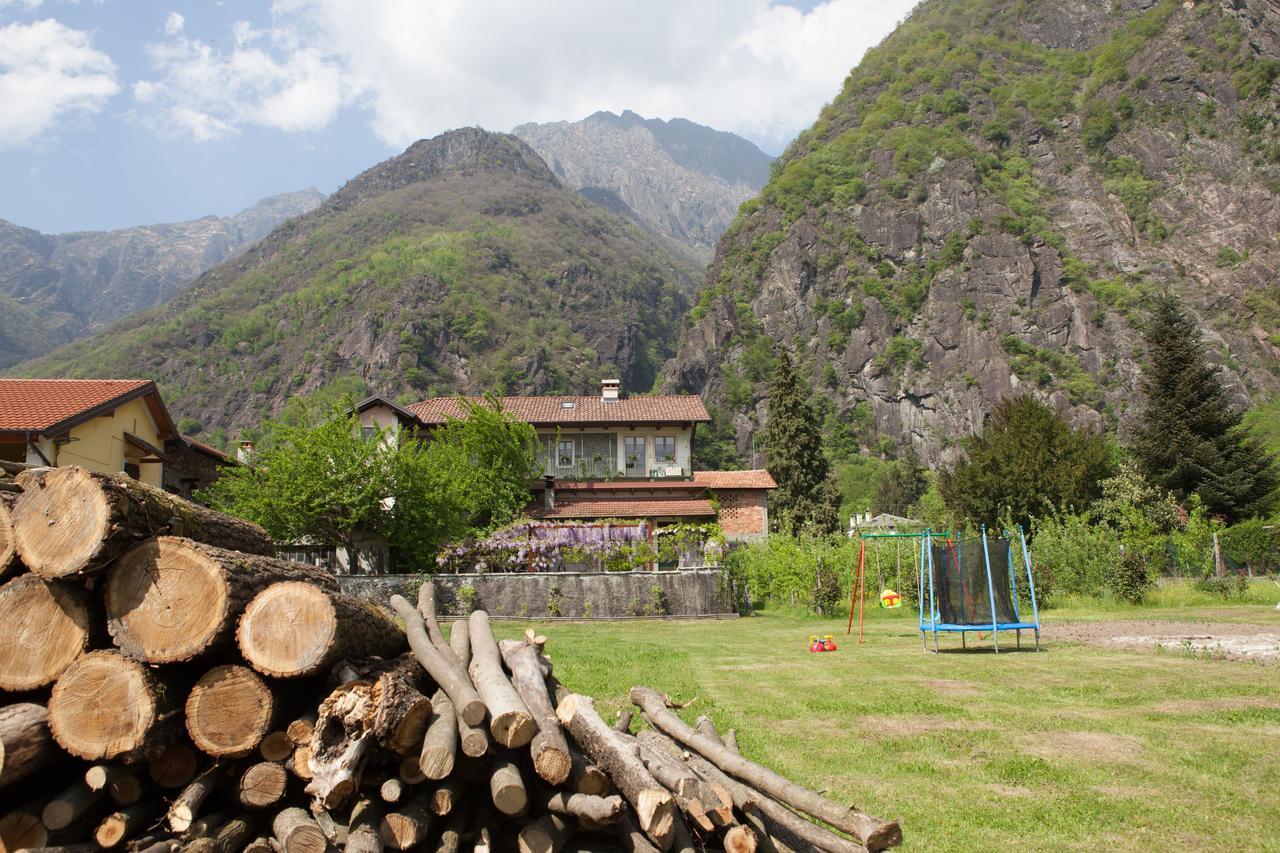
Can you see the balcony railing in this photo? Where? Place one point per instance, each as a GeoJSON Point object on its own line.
{"type": "Point", "coordinates": [607, 469]}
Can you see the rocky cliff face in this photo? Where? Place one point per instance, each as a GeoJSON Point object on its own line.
{"type": "Point", "coordinates": [70, 285]}
{"type": "Point", "coordinates": [459, 266]}
{"type": "Point", "coordinates": [682, 180]}
{"type": "Point", "coordinates": [983, 209]}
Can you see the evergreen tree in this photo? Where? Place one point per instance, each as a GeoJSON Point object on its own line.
{"type": "Point", "coordinates": [901, 484]}
{"type": "Point", "coordinates": [1190, 441]}
{"type": "Point", "coordinates": [806, 497]}
{"type": "Point", "coordinates": [1028, 461]}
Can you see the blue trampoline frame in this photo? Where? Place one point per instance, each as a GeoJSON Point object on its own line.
{"type": "Point", "coordinates": [933, 624]}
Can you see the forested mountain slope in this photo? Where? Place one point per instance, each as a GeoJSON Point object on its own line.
{"type": "Point", "coordinates": [461, 265]}
{"type": "Point", "coordinates": [982, 209]}
{"type": "Point", "coordinates": [55, 288]}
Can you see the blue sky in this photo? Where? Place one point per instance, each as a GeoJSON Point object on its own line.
{"type": "Point", "coordinates": [116, 113]}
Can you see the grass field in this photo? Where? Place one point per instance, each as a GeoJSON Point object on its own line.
{"type": "Point", "coordinates": [1072, 748]}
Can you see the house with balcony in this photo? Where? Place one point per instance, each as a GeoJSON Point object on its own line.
{"type": "Point", "coordinates": [618, 456]}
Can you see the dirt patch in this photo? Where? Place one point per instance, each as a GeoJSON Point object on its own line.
{"type": "Point", "coordinates": [1217, 640]}
{"type": "Point", "coordinates": [912, 726]}
{"type": "Point", "coordinates": [1085, 746]}
{"type": "Point", "coordinates": [951, 687]}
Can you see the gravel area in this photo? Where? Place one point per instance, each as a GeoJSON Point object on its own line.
{"type": "Point", "coordinates": [1224, 640]}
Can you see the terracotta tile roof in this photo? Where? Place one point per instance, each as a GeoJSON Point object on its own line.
{"type": "Point", "coordinates": [206, 449]}
{"type": "Point", "coordinates": [684, 507]}
{"type": "Point", "coordinates": [37, 404]}
{"type": "Point", "coordinates": [547, 411]}
{"type": "Point", "coordinates": [755, 479]}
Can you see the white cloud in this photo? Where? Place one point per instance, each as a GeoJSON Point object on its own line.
{"type": "Point", "coordinates": [742, 65]}
{"type": "Point", "coordinates": [26, 4]}
{"type": "Point", "coordinates": [173, 24]}
{"type": "Point", "coordinates": [47, 71]}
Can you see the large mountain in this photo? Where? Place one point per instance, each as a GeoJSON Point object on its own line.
{"type": "Point", "coordinates": [983, 208]}
{"type": "Point", "coordinates": [55, 288]}
{"type": "Point", "coordinates": [461, 265]}
{"type": "Point", "coordinates": [682, 180]}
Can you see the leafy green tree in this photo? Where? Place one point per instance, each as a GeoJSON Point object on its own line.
{"type": "Point", "coordinates": [901, 484]}
{"type": "Point", "coordinates": [1027, 462]}
{"type": "Point", "coordinates": [1190, 440]}
{"type": "Point", "coordinates": [806, 498]}
{"type": "Point", "coordinates": [319, 478]}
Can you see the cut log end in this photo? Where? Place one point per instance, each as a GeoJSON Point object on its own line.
{"type": "Point", "coordinates": [44, 628]}
{"type": "Point", "coordinates": [289, 629]}
{"type": "Point", "coordinates": [103, 706]}
{"type": "Point", "coordinates": [512, 729]}
{"type": "Point", "coordinates": [552, 764]}
{"type": "Point", "coordinates": [22, 829]}
{"type": "Point", "coordinates": [61, 522]}
{"type": "Point", "coordinates": [174, 767]}
{"type": "Point", "coordinates": [229, 711]}
{"type": "Point", "coordinates": [263, 784]}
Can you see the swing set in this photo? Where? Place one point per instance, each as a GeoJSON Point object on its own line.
{"type": "Point", "coordinates": [890, 597]}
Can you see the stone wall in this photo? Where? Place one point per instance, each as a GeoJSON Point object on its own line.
{"type": "Point", "coordinates": [575, 595]}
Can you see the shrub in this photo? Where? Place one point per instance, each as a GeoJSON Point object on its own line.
{"type": "Point", "coordinates": [1129, 578]}
{"type": "Point", "coordinates": [1074, 553]}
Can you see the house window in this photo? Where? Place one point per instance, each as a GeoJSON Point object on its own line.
{"type": "Point", "coordinates": [633, 449]}
{"type": "Point", "coordinates": [368, 433]}
{"type": "Point", "coordinates": [564, 454]}
{"type": "Point", "coordinates": [664, 449]}
{"type": "Point", "coordinates": [133, 469]}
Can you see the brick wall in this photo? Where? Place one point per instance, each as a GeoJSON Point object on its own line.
{"type": "Point", "coordinates": [743, 513]}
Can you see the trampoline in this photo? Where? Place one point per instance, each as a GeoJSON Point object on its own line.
{"type": "Point", "coordinates": [972, 585]}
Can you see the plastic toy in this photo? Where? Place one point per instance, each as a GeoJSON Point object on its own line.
{"type": "Point", "coordinates": [890, 600]}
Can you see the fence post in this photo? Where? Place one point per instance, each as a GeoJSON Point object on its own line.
{"type": "Point", "coordinates": [1219, 567]}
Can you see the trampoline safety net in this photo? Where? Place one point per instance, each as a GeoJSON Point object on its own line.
{"type": "Point", "coordinates": [960, 587]}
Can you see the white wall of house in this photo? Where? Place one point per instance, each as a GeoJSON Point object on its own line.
{"type": "Point", "coordinates": [549, 439]}
{"type": "Point", "coordinates": [382, 418]}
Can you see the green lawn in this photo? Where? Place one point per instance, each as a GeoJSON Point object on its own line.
{"type": "Point", "coordinates": [1072, 748]}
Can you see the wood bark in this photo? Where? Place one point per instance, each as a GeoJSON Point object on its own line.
{"type": "Point", "coordinates": [297, 832]}
{"type": "Point", "coordinates": [69, 804]}
{"type": "Point", "coordinates": [585, 777]}
{"type": "Point", "coordinates": [407, 827]}
{"type": "Point", "coordinates": [460, 641]}
{"type": "Point", "coordinates": [461, 692]}
{"type": "Point", "coordinates": [401, 712]}
{"type": "Point", "coordinates": [547, 834]}
{"type": "Point", "coordinates": [170, 599]}
{"type": "Point", "coordinates": [25, 743]}
{"type": "Point", "coordinates": [653, 803]}
{"type": "Point", "coordinates": [186, 807]}
{"type": "Point", "coordinates": [230, 837]}
{"type": "Point", "coordinates": [440, 744]}
{"type": "Point", "coordinates": [8, 554]}
{"type": "Point", "coordinates": [72, 521]}
{"type": "Point", "coordinates": [549, 750]}
{"type": "Point", "coordinates": [118, 826]}
{"type": "Point", "coordinates": [506, 788]}
{"type": "Point", "coordinates": [597, 811]}
{"type": "Point", "coordinates": [229, 711]}
{"type": "Point", "coordinates": [632, 837]}
{"type": "Point", "coordinates": [873, 832]}
{"type": "Point", "coordinates": [295, 628]}
{"type": "Point", "coordinates": [342, 738]}
{"type": "Point", "coordinates": [691, 795]}
{"type": "Point", "coordinates": [623, 723]}
{"type": "Point", "coordinates": [174, 766]}
{"type": "Point", "coordinates": [362, 829]}
{"type": "Point", "coordinates": [475, 739]}
{"type": "Point", "coordinates": [44, 628]}
{"type": "Point", "coordinates": [263, 784]}
{"type": "Point", "coordinates": [510, 722]}
{"type": "Point", "coordinates": [21, 829]}
{"type": "Point", "coordinates": [108, 706]}
{"type": "Point", "coordinates": [455, 828]}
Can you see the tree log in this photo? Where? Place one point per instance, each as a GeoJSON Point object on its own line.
{"type": "Point", "coordinates": [64, 809]}
{"type": "Point", "coordinates": [623, 723]}
{"type": "Point", "coordinates": [363, 828]}
{"type": "Point", "coordinates": [460, 641]}
{"type": "Point", "coordinates": [585, 777]}
{"type": "Point", "coordinates": [739, 839]}
{"type": "Point", "coordinates": [8, 554]}
{"type": "Point", "coordinates": [184, 809]}
{"type": "Point", "coordinates": [461, 692]}
{"type": "Point", "coordinates": [174, 766]}
{"type": "Point", "coordinates": [506, 788]}
{"type": "Point", "coordinates": [230, 837]}
{"type": "Point", "coordinates": [474, 739]}
{"type": "Point", "coordinates": [300, 730]}
{"type": "Point", "coordinates": [346, 728]}
{"type": "Point", "coordinates": [547, 834]}
{"type": "Point", "coordinates": [294, 628]}
{"type": "Point", "coordinates": [25, 744]}
{"type": "Point", "coordinates": [72, 521]}
{"type": "Point", "coordinates": [447, 795]}
{"type": "Point", "coordinates": [549, 750]}
{"type": "Point", "coordinates": [873, 832]}
{"type": "Point", "coordinates": [229, 711]}
{"type": "Point", "coordinates": [297, 832]}
{"type": "Point", "coordinates": [665, 761]}
{"type": "Point", "coordinates": [276, 746]}
{"type": "Point", "coordinates": [632, 837]}
{"type": "Point", "coordinates": [21, 829]}
{"type": "Point", "coordinates": [118, 826]}
{"type": "Point", "coordinates": [44, 628]}
{"type": "Point", "coordinates": [454, 829]}
{"type": "Point", "coordinates": [407, 827]}
{"type": "Point", "coordinates": [263, 784]}
{"type": "Point", "coordinates": [597, 811]}
{"type": "Point", "coordinates": [170, 599]}
{"type": "Point", "coordinates": [108, 706]}
{"type": "Point", "coordinates": [440, 744]}
{"type": "Point", "coordinates": [392, 790]}
{"type": "Point", "coordinates": [652, 802]}
{"type": "Point", "coordinates": [401, 713]}
{"type": "Point", "coordinates": [299, 763]}
{"type": "Point", "coordinates": [510, 722]}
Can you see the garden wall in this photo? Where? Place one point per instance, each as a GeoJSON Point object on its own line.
{"type": "Point", "coordinates": [574, 595]}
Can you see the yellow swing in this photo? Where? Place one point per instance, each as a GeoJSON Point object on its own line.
{"type": "Point", "coordinates": [889, 598]}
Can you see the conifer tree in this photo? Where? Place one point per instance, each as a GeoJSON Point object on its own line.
{"type": "Point", "coordinates": [1190, 440]}
{"type": "Point", "coordinates": [806, 497]}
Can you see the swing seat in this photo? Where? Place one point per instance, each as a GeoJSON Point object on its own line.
{"type": "Point", "coordinates": [890, 600]}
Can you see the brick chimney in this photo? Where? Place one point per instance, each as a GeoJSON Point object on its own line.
{"type": "Point", "coordinates": [610, 390]}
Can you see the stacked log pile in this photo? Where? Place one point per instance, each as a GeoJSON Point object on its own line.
{"type": "Point", "coordinates": [161, 691]}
